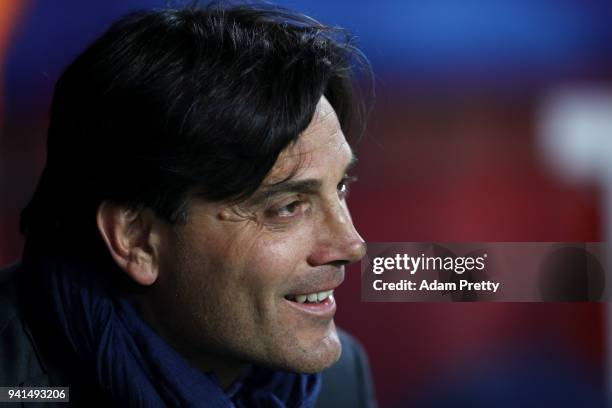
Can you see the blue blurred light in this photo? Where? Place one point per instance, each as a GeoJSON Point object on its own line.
{"type": "Point", "coordinates": [442, 38]}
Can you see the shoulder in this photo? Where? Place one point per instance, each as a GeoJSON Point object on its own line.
{"type": "Point", "coordinates": [349, 381]}
{"type": "Point", "coordinates": [20, 363]}
{"type": "Point", "coordinates": [7, 295]}
{"type": "Point", "coordinates": [26, 357]}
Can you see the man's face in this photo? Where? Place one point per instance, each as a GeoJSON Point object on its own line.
{"type": "Point", "coordinates": [232, 281]}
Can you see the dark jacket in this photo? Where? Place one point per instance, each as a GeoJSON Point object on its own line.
{"type": "Point", "coordinates": [31, 354]}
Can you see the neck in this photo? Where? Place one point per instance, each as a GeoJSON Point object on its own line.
{"type": "Point", "coordinates": [225, 369]}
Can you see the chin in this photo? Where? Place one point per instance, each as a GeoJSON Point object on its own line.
{"type": "Point", "coordinates": [308, 359]}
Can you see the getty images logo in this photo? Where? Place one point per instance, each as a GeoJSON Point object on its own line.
{"type": "Point", "coordinates": [413, 264]}
{"type": "Point", "coordinates": [436, 264]}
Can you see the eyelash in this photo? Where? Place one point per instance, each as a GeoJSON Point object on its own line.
{"type": "Point", "coordinates": [298, 206]}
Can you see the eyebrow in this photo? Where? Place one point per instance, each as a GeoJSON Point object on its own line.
{"type": "Point", "coordinates": [307, 186]}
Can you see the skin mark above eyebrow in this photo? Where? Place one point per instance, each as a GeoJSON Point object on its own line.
{"type": "Point", "coordinates": [308, 186]}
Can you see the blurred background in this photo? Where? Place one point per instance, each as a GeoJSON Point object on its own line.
{"type": "Point", "coordinates": [493, 122]}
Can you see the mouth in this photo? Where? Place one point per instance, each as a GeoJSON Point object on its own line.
{"type": "Point", "coordinates": [318, 304]}
{"type": "Point", "coordinates": [315, 297]}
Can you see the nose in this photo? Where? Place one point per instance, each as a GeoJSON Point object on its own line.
{"type": "Point", "coordinates": [337, 239]}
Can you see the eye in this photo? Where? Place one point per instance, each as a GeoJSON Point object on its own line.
{"type": "Point", "coordinates": [343, 186]}
{"type": "Point", "coordinates": [288, 210]}
{"type": "Point", "coordinates": [292, 209]}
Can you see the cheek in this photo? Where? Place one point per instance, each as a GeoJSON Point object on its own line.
{"type": "Point", "coordinates": [275, 258]}
{"type": "Point", "coordinates": [245, 275]}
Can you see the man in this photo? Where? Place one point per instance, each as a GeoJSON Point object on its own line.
{"type": "Point", "coordinates": [191, 225]}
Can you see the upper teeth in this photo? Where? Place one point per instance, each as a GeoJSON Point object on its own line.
{"type": "Point", "coordinates": [314, 297]}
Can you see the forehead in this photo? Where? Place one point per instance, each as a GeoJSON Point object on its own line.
{"type": "Point", "coordinates": [321, 147]}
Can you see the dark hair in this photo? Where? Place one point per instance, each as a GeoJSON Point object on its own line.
{"type": "Point", "coordinates": [169, 104]}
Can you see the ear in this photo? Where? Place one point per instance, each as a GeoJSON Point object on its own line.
{"type": "Point", "coordinates": [132, 239]}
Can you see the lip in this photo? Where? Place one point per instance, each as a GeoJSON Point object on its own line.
{"type": "Point", "coordinates": [329, 285]}
{"type": "Point", "coordinates": [324, 309]}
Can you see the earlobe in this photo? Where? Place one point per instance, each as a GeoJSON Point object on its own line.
{"type": "Point", "coordinates": [128, 237]}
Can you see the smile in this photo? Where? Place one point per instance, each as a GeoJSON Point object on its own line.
{"type": "Point", "coordinates": [320, 309]}
{"type": "Point", "coordinates": [316, 297]}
